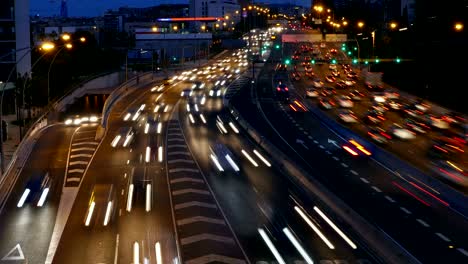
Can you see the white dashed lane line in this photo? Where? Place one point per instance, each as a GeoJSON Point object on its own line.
{"type": "Point", "coordinates": [336, 158]}
{"type": "Point", "coordinates": [446, 239]}
{"type": "Point", "coordinates": [306, 133]}
{"type": "Point", "coordinates": [422, 222]}
{"type": "Point", "coordinates": [405, 210]}
{"type": "Point", "coordinates": [310, 137]}
{"type": "Point", "coordinates": [389, 199]}
{"type": "Point", "coordinates": [354, 172]}
{"type": "Point", "coordinates": [344, 165]}
{"type": "Point", "coordinates": [315, 141]}
{"type": "Point", "coordinates": [376, 189]}
{"type": "Point", "coordinates": [328, 152]}
{"type": "Point", "coordinates": [364, 180]}
{"type": "Point", "coordinates": [321, 146]}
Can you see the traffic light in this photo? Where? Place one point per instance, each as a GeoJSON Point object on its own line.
{"type": "Point", "coordinates": [287, 61]}
{"type": "Point", "coordinates": [334, 61]}
{"type": "Point", "coordinates": [366, 62]}
{"type": "Point", "coordinates": [313, 61]}
{"type": "Point", "coordinates": [343, 48]}
{"type": "Point", "coordinates": [377, 61]}
{"type": "Point", "coordinates": [355, 48]}
{"type": "Point", "coordinates": [355, 61]}
{"type": "Point", "coordinates": [398, 60]}
{"type": "Point", "coordinates": [349, 52]}
{"type": "Point", "coordinates": [277, 46]}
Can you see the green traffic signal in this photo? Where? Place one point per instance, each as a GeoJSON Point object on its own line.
{"type": "Point", "coordinates": [334, 61]}
{"type": "Point", "coordinates": [398, 60]}
{"type": "Point", "coordinates": [344, 44]}
{"type": "Point", "coordinates": [313, 61]}
{"type": "Point", "coordinates": [287, 61]}
{"type": "Point", "coordinates": [343, 48]}
{"type": "Point", "coordinates": [355, 61]}
{"type": "Point", "coordinates": [277, 46]}
{"type": "Point", "coordinates": [355, 48]}
{"type": "Point", "coordinates": [349, 52]}
{"type": "Point", "coordinates": [366, 62]}
{"type": "Point", "coordinates": [377, 60]}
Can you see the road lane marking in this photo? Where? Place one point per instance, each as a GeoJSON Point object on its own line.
{"type": "Point", "coordinates": [82, 149]}
{"type": "Point", "coordinates": [74, 179]}
{"type": "Point", "coordinates": [321, 146]}
{"type": "Point", "coordinates": [177, 146]}
{"type": "Point", "coordinates": [306, 133]}
{"type": "Point", "coordinates": [364, 180]}
{"type": "Point", "coordinates": [175, 139]}
{"type": "Point", "coordinates": [315, 141]}
{"type": "Point", "coordinates": [314, 227]}
{"type": "Point", "coordinates": [271, 246]}
{"type": "Point", "coordinates": [85, 143]}
{"type": "Point", "coordinates": [328, 152]}
{"type": "Point", "coordinates": [405, 210]}
{"type": "Point", "coordinates": [186, 179]}
{"type": "Point", "coordinates": [181, 160]}
{"type": "Point", "coordinates": [205, 236]}
{"type": "Point", "coordinates": [376, 189]}
{"type": "Point", "coordinates": [80, 156]}
{"type": "Point", "coordinates": [116, 252]}
{"type": "Point", "coordinates": [310, 137]}
{"type": "Point", "coordinates": [390, 199]}
{"type": "Point", "coordinates": [16, 253]}
{"type": "Point", "coordinates": [199, 218]}
{"type": "Point", "coordinates": [422, 222]}
{"type": "Point", "coordinates": [190, 190]}
{"type": "Point", "coordinates": [336, 158]}
{"type": "Point", "coordinates": [446, 239]}
{"type": "Point", "coordinates": [76, 170]}
{"type": "Point", "coordinates": [214, 258]}
{"type": "Point", "coordinates": [344, 165]}
{"type": "Point", "coordinates": [354, 172]}
{"type": "Point", "coordinates": [77, 163]}
{"type": "Point", "coordinates": [194, 203]}
{"type": "Point", "coordinates": [337, 230]}
{"type": "Point", "coordinates": [298, 246]}
{"type": "Point", "coordinates": [183, 169]}
{"type": "Point", "coordinates": [178, 153]}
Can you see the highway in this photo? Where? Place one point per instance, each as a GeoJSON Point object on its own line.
{"type": "Point", "coordinates": [176, 179]}
{"type": "Point", "coordinates": [408, 212]}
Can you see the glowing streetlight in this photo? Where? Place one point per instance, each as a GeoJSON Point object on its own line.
{"type": "Point", "coordinates": [83, 39]}
{"type": "Point", "coordinates": [345, 23]}
{"type": "Point", "coordinates": [154, 29]}
{"type": "Point", "coordinates": [458, 26]}
{"type": "Point", "coordinates": [360, 24]}
{"type": "Point", "coordinates": [226, 17]}
{"type": "Point", "coordinates": [328, 10]}
{"type": "Point", "coordinates": [66, 37]}
{"type": "Point", "coordinates": [68, 46]}
{"type": "Point", "coordinates": [393, 25]}
{"type": "Point", "coordinates": [47, 46]}
{"type": "Point", "coordinates": [203, 27]}
{"type": "Point", "coordinates": [250, 7]}
{"type": "Point", "coordinates": [175, 28]}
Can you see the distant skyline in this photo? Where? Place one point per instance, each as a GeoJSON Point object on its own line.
{"type": "Point", "coordinates": [90, 8]}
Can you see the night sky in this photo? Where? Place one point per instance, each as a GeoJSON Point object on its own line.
{"type": "Point", "coordinates": [97, 7]}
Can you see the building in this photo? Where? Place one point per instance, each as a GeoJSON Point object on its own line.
{"type": "Point", "coordinates": [214, 8]}
{"type": "Point", "coordinates": [14, 36]}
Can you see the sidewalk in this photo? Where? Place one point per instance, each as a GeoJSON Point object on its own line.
{"type": "Point", "coordinates": [13, 139]}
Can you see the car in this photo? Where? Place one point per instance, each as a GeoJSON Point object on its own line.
{"type": "Point", "coordinates": [422, 106]}
{"type": "Point", "coordinates": [330, 78]}
{"type": "Point", "coordinates": [373, 117]}
{"type": "Point", "coordinates": [79, 120]}
{"type": "Point", "coordinates": [445, 148]}
{"type": "Point", "coordinates": [451, 170]}
{"type": "Point", "coordinates": [215, 91]}
{"type": "Point", "coordinates": [282, 92]}
{"type": "Point", "coordinates": [416, 126]}
{"type": "Point", "coordinates": [307, 58]}
{"type": "Point", "coordinates": [349, 82]}
{"type": "Point", "coordinates": [345, 101]}
{"type": "Point", "coordinates": [394, 105]}
{"type": "Point", "coordinates": [347, 116]}
{"type": "Point", "coordinates": [281, 67]}
{"type": "Point", "coordinates": [379, 135]}
{"type": "Point", "coordinates": [332, 67]}
{"type": "Point", "coordinates": [326, 103]}
{"type": "Point", "coordinates": [295, 76]}
{"type": "Point", "coordinates": [329, 91]}
{"type": "Point", "coordinates": [352, 75]}
{"type": "Point", "coordinates": [186, 92]}
{"type": "Point", "coordinates": [454, 119]}
{"type": "Point", "coordinates": [36, 190]}
{"type": "Point", "coordinates": [401, 132]}
{"type": "Point", "coordinates": [157, 88]}
{"type": "Point", "coordinates": [317, 83]}
{"type": "Point", "coordinates": [379, 107]}
{"type": "Point", "coordinates": [374, 87]}
{"type": "Point", "coordinates": [438, 122]}
{"type": "Point", "coordinates": [333, 51]}
{"type": "Point", "coordinates": [340, 85]}
{"type": "Point", "coordinates": [223, 158]}
{"type": "Point", "coordinates": [312, 93]}
{"type": "Point", "coordinates": [308, 69]}
{"type": "Point", "coordinates": [305, 63]}
{"type": "Point", "coordinates": [391, 95]}
{"type": "Point", "coordinates": [322, 45]}
{"type": "Point", "coordinates": [335, 73]}
{"type": "Point", "coordinates": [198, 85]}
{"type": "Point", "coordinates": [356, 95]}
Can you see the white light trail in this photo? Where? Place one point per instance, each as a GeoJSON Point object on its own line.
{"type": "Point", "coordinates": [196, 107]}
{"type": "Point", "coordinates": [191, 119]}
{"type": "Point", "coordinates": [216, 162]}
{"type": "Point", "coordinates": [157, 248]}
{"type": "Point", "coordinates": [148, 197]}
{"type": "Point", "coordinates": [262, 158]}
{"type": "Point", "coordinates": [148, 154]}
{"type": "Point", "coordinates": [203, 118]}
{"type": "Point", "coordinates": [272, 247]}
{"type": "Point", "coordinates": [127, 116]}
{"type": "Point", "coordinates": [234, 127]}
{"type": "Point", "coordinates": [160, 154]}
{"type": "Point", "coordinates": [222, 127]}
{"type": "Point", "coordinates": [203, 100]}
{"type": "Point", "coordinates": [43, 197]}
{"type": "Point", "coordinates": [188, 107]}
{"type": "Point", "coordinates": [23, 197]}
{"type": "Point", "coordinates": [337, 230]}
{"type": "Point", "coordinates": [130, 198]}
{"type": "Point", "coordinates": [136, 253]}
{"type": "Point", "coordinates": [298, 246]}
{"type": "Point", "coordinates": [127, 140]}
{"type": "Point", "coordinates": [166, 108]}
{"type": "Point", "coordinates": [158, 128]}
{"type": "Point", "coordinates": [156, 108]}
{"type": "Point", "coordinates": [108, 213]}
{"type": "Point", "coordinates": [249, 158]}
{"type": "Point", "coordinates": [233, 164]}
{"type": "Point", "coordinates": [136, 115]}
{"type": "Point", "coordinates": [316, 230]}
{"type": "Point", "coordinates": [90, 213]}
{"type": "Point", "coordinates": [146, 128]}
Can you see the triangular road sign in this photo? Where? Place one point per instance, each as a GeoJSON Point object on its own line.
{"type": "Point", "coordinates": [15, 253]}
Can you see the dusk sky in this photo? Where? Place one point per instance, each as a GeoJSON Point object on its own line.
{"type": "Point", "coordinates": [97, 7]}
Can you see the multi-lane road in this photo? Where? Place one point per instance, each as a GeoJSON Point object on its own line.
{"type": "Point", "coordinates": [176, 179]}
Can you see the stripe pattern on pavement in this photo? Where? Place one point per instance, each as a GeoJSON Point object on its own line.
{"type": "Point", "coordinates": [203, 233]}
{"type": "Point", "coordinates": [82, 148]}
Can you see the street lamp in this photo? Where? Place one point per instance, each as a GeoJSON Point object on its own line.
{"type": "Point", "coordinates": [154, 29]}
{"type": "Point", "coordinates": [66, 37]}
{"type": "Point", "coordinates": [393, 25]}
{"type": "Point", "coordinates": [83, 39]}
{"type": "Point", "coordinates": [47, 46]}
{"type": "Point", "coordinates": [360, 24]}
{"type": "Point", "coordinates": [458, 26]}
